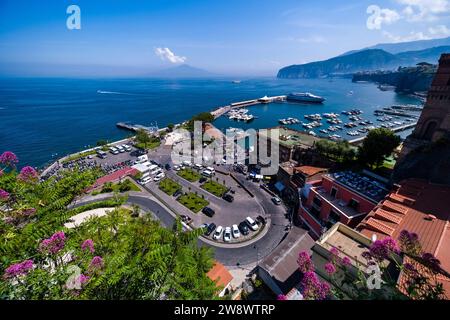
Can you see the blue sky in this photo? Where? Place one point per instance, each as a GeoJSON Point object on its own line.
{"type": "Point", "coordinates": [254, 37]}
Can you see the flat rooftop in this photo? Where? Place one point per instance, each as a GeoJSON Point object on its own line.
{"type": "Point", "coordinates": [290, 138]}
{"type": "Point", "coordinates": [338, 204]}
{"type": "Point", "coordinates": [366, 186]}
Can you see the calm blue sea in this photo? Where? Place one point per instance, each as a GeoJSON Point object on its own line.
{"type": "Point", "coordinates": [44, 119]}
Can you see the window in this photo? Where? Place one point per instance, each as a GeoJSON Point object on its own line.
{"type": "Point", "coordinates": [353, 204]}
{"type": "Point", "coordinates": [333, 218]}
{"type": "Point", "coordinates": [429, 131]}
{"type": "Point", "coordinates": [317, 202]}
{"type": "Point", "coordinates": [333, 192]}
{"type": "Point", "coordinates": [315, 212]}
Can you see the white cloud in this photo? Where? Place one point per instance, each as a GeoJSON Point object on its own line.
{"type": "Point", "coordinates": [167, 55]}
{"type": "Point", "coordinates": [439, 31]}
{"type": "Point", "coordinates": [379, 16]}
{"type": "Point", "coordinates": [413, 36]}
{"type": "Point", "coordinates": [424, 10]}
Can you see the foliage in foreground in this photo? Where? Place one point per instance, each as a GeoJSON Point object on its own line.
{"type": "Point", "coordinates": [122, 255]}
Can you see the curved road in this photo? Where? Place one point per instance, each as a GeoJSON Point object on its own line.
{"type": "Point", "coordinates": [252, 253]}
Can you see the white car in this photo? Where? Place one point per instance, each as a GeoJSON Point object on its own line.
{"type": "Point", "coordinates": [127, 147]}
{"type": "Point", "coordinates": [235, 231]}
{"type": "Point", "coordinates": [252, 224]}
{"type": "Point", "coordinates": [145, 180]}
{"type": "Point", "coordinates": [176, 168]}
{"type": "Point", "coordinates": [159, 176]}
{"type": "Point", "coordinates": [217, 233]}
{"type": "Point", "coordinates": [227, 234]}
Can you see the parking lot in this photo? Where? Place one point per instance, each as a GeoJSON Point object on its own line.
{"type": "Point", "coordinates": [226, 213]}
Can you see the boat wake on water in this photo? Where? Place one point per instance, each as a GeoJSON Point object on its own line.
{"type": "Point", "coordinates": [114, 92]}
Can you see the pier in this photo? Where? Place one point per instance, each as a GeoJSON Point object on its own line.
{"type": "Point", "coordinates": [242, 104]}
{"type": "Point", "coordinates": [136, 127]}
{"type": "Point", "coordinates": [396, 129]}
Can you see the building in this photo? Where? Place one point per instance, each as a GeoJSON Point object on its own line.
{"type": "Point", "coordinates": [416, 206]}
{"type": "Point", "coordinates": [434, 122]}
{"type": "Point", "coordinates": [279, 270]}
{"type": "Point", "coordinates": [291, 178]}
{"type": "Point", "coordinates": [345, 197]}
{"type": "Point", "coordinates": [221, 276]}
{"type": "Point", "coordinates": [292, 143]}
{"type": "Point", "coordinates": [348, 243]}
{"type": "Point", "coordinates": [432, 134]}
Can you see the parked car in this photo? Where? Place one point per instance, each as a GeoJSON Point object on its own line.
{"type": "Point", "coordinates": [276, 200]}
{"type": "Point", "coordinates": [227, 234]}
{"type": "Point", "coordinates": [208, 211]}
{"type": "Point", "coordinates": [159, 176]}
{"type": "Point", "coordinates": [261, 220]}
{"type": "Point", "coordinates": [185, 219]}
{"type": "Point", "coordinates": [176, 168]}
{"type": "Point", "coordinates": [210, 229]}
{"type": "Point", "coordinates": [178, 193]}
{"type": "Point", "coordinates": [243, 228]}
{"type": "Point", "coordinates": [228, 197]}
{"type": "Point", "coordinates": [218, 233]}
{"type": "Point", "coordinates": [235, 231]}
{"type": "Point", "coordinates": [204, 226]}
{"type": "Point", "coordinates": [202, 179]}
{"type": "Point", "coordinates": [145, 180]}
{"type": "Point", "coordinates": [167, 167]}
{"type": "Point", "coordinates": [252, 224]}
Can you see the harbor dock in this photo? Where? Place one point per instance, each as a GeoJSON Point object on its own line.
{"type": "Point", "coordinates": [242, 104]}
{"type": "Point", "coordinates": [395, 129]}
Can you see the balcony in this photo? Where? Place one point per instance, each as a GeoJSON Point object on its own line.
{"type": "Point", "coordinates": [338, 205]}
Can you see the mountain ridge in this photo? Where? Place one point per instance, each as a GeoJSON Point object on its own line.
{"type": "Point", "coordinates": [366, 60]}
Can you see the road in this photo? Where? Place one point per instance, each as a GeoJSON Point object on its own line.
{"type": "Point", "coordinates": [228, 256]}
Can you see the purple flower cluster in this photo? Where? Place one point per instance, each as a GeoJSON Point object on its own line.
{"type": "Point", "coordinates": [88, 244]}
{"type": "Point", "coordinates": [432, 262]}
{"type": "Point", "coordinates": [4, 195]}
{"type": "Point", "coordinates": [281, 297]}
{"type": "Point", "coordinates": [83, 279]}
{"type": "Point", "coordinates": [54, 244]}
{"type": "Point", "coordinates": [18, 269]}
{"type": "Point", "coordinates": [409, 242]}
{"type": "Point", "coordinates": [8, 159]}
{"type": "Point", "coordinates": [96, 263]}
{"type": "Point", "coordinates": [330, 268]}
{"type": "Point", "coordinates": [28, 174]}
{"type": "Point", "coordinates": [381, 250]}
{"type": "Point", "coordinates": [346, 261]}
{"type": "Point", "coordinates": [304, 262]}
{"type": "Point", "coordinates": [313, 288]}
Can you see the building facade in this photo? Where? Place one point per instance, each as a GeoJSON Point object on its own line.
{"type": "Point", "coordinates": [344, 197]}
{"type": "Point", "coordinates": [434, 121]}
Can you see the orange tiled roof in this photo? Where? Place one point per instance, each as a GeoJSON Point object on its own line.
{"type": "Point", "coordinates": [310, 171]}
{"type": "Point", "coordinates": [417, 206]}
{"type": "Point", "coordinates": [423, 270]}
{"type": "Point", "coordinates": [220, 274]}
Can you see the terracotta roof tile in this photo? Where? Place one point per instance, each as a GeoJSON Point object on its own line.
{"type": "Point", "coordinates": [418, 200]}
{"type": "Point", "coordinates": [220, 275]}
{"type": "Point", "coordinates": [309, 170]}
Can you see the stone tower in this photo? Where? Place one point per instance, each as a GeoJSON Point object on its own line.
{"type": "Point", "coordinates": [434, 122]}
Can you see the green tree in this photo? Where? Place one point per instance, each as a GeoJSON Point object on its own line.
{"type": "Point", "coordinates": [170, 126]}
{"type": "Point", "coordinates": [101, 143]}
{"type": "Point", "coordinates": [378, 144]}
{"type": "Point", "coordinates": [142, 138]}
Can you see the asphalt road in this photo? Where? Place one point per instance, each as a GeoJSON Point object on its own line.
{"type": "Point", "coordinates": [228, 256]}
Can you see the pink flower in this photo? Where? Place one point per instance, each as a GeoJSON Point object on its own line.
{"type": "Point", "coordinates": [381, 250]}
{"type": "Point", "coordinates": [96, 263]}
{"type": "Point", "coordinates": [18, 269]}
{"type": "Point", "coordinates": [88, 244]}
{"type": "Point", "coordinates": [54, 244]}
{"type": "Point", "coordinates": [346, 261]}
{"type": "Point", "coordinates": [312, 288]}
{"type": "Point", "coordinates": [4, 195]}
{"type": "Point", "coordinates": [304, 262]}
{"type": "Point", "coordinates": [28, 174]}
{"type": "Point", "coordinates": [281, 297]}
{"type": "Point", "coordinates": [83, 279]}
{"type": "Point", "coordinates": [8, 159]}
{"type": "Point", "coordinates": [330, 268]}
